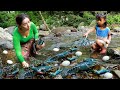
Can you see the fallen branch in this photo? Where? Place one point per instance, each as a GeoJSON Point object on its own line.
{"type": "Point", "coordinates": [44, 21]}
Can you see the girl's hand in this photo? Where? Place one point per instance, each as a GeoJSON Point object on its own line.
{"type": "Point", "coordinates": [25, 64]}
{"type": "Point", "coordinates": [108, 41]}
{"type": "Point", "coordinates": [85, 35]}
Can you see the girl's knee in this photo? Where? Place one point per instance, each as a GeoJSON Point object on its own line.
{"type": "Point", "coordinates": [93, 46]}
{"type": "Point", "coordinates": [100, 43]}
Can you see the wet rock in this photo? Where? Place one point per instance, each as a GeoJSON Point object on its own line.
{"type": "Point", "coordinates": [68, 31]}
{"type": "Point", "coordinates": [58, 77]}
{"type": "Point", "coordinates": [117, 72]}
{"type": "Point", "coordinates": [114, 52]}
{"type": "Point", "coordinates": [6, 44]}
{"type": "Point", "coordinates": [69, 39]}
{"type": "Point", "coordinates": [57, 35]}
{"type": "Point", "coordinates": [115, 34]}
{"type": "Point", "coordinates": [74, 30]}
{"type": "Point", "coordinates": [116, 29]}
{"type": "Point", "coordinates": [10, 29]}
{"type": "Point", "coordinates": [61, 29]}
{"type": "Point", "coordinates": [1, 29]}
{"type": "Point", "coordinates": [43, 27]}
{"type": "Point", "coordinates": [43, 33]}
{"type": "Point", "coordinates": [6, 37]}
{"type": "Point", "coordinates": [80, 28]}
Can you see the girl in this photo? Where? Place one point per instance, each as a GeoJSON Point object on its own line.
{"type": "Point", "coordinates": [103, 34]}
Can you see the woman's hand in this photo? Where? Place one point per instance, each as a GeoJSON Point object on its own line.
{"type": "Point", "coordinates": [40, 46]}
{"type": "Point", "coordinates": [25, 64]}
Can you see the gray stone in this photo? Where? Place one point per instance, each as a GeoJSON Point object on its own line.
{"type": "Point", "coordinates": [10, 29]}
{"type": "Point", "coordinates": [58, 77]}
{"type": "Point", "coordinates": [116, 29]}
{"type": "Point", "coordinates": [43, 33]}
{"type": "Point", "coordinates": [6, 35]}
{"type": "Point", "coordinates": [116, 51]}
{"type": "Point", "coordinates": [6, 44]}
{"type": "Point", "coordinates": [117, 72]}
{"type": "Point", "coordinates": [1, 29]}
{"type": "Point", "coordinates": [61, 29]}
{"type": "Point", "coordinates": [43, 27]}
{"type": "Point", "coordinates": [80, 28]}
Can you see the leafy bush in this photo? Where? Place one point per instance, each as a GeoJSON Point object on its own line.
{"type": "Point", "coordinates": [113, 19]}
{"type": "Point", "coordinates": [56, 18]}
{"type": "Point", "coordinates": [88, 17]}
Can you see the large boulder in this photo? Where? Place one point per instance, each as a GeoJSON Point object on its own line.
{"type": "Point", "coordinates": [1, 29]}
{"type": "Point", "coordinates": [5, 35]}
{"type": "Point", "coordinates": [62, 30]}
{"type": "Point", "coordinates": [6, 39]}
{"type": "Point", "coordinates": [6, 44]}
{"type": "Point", "coordinates": [10, 29]}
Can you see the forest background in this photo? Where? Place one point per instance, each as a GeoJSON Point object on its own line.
{"type": "Point", "coordinates": [58, 18]}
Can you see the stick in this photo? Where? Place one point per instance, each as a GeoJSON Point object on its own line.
{"type": "Point", "coordinates": [44, 21]}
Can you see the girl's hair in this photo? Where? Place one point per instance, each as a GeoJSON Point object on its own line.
{"type": "Point", "coordinates": [98, 16]}
{"type": "Point", "coordinates": [20, 18]}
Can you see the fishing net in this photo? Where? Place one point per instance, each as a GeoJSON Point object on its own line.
{"type": "Point", "coordinates": [83, 42]}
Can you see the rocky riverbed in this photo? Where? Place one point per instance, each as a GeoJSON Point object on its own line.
{"type": "Point", "coordinates": [65, 38]}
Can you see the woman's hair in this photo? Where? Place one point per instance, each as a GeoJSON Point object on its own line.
{"type": "Point", "coordinates": [20, 18]}
{"type": "Point", "coordinates": [98, 16]}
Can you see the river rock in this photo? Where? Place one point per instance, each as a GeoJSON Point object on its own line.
{"type": "Point", "coordinates": [6, 44]}
{"type": "Point", "coordinates": [1, 29]}
{"type": "Point", "coordinates": [117, 72]}
{"type": "Point", "coordinates": [43, 27]}
{"type": "Point", "coordinates": [116, 29]}
{"type": "Point", "coordinates": [10, 29]}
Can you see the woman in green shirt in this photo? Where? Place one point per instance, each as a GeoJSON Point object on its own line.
{"type": "Point", "coordinates": [24, 36]}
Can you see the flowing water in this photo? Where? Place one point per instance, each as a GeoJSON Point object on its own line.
{"type": "Point", "coordinates": [64, 43]}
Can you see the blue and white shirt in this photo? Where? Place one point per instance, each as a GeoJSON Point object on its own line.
{"type": "Point", "coordinates": [102, 34]}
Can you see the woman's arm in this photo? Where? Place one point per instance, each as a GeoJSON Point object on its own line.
{"type": "Point", "coordinates": [35, 31]}
{"type": "Point", "coordinates": [17, 47]}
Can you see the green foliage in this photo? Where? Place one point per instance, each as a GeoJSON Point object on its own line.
{"type": "Point", "coordinates": [73, 20]}
{"type": "Point", "coordinates": [34, 17]}
{"type": "Point", "coordinates": [7, 18]}
{"type": "Point", "coordinates": [113, 19]}
{"type": "Point", "coordinates": [88, 17]}
{"type": "Point", "coordinates": [56, 18]}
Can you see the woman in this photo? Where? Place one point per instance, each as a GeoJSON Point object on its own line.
{"type": "Point", "coordinates": [24, 36]}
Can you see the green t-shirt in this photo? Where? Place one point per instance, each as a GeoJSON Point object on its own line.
{"type": "Point", "coordinates": [18, 38]}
